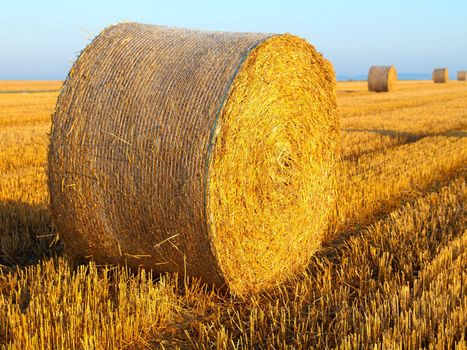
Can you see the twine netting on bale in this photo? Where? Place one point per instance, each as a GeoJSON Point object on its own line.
{"type": "Point", "coordinates": [440, 75]}
{"type": "Point", "coordinates": [462, 75]}
{"type": "Point", "coordinates": [203, 153]}
{"type": "Point", "coordinates": [382, 78]}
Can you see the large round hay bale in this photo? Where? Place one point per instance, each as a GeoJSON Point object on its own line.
{"type": "Point", "coordinates": [203, 153]}
{"type": "Point", "coordinates": [462, 75]}
{"type": "Point", "coordinates": [382, 78]}
{"type": "Point", "coordinates": [440, 75]}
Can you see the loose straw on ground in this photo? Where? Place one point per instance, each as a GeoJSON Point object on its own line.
{"type": "Point", "coordinates": [205, 153]}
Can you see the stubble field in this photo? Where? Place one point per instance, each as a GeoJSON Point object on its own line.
{"type": "Point", "coordinates": [392, 272]}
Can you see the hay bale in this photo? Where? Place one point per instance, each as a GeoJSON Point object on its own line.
{"type": "Point", "coordinates": [205, 153]}
{"type": "Point", "coordinates": [462, 75]}
{"type": "Point", "coordinates": [440, 75]}
{"type": "Point", "coordinates": [382, 78]}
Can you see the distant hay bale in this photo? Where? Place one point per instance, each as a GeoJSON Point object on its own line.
{"type": "Point", "coordinates": [382, 78]}
{"type": "Point", "coordinates": [462, 75]}
{"type": "Point", "coordinates": [205, 153]}
{"type": "Point", "coordinates": [440, 75]}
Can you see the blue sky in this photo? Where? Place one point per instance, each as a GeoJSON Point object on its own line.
{"type": "Point", "coordinates": [40, 39]}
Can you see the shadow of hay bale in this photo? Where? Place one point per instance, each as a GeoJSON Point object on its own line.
{"type": "Point", "coordinates": [26, 233]}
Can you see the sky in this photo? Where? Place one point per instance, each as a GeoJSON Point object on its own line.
{"type": "Point", "coordinates": [41, 39]}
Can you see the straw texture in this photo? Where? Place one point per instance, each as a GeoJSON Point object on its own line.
{"type": "Point", "coordinates": [203, 153]}
{"type": "Point", "coordinates": [462, 75]}
{"type": "Point", "coordinates": [382, 78]}
{"type": "Point", "coordinates": [440, 75]}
